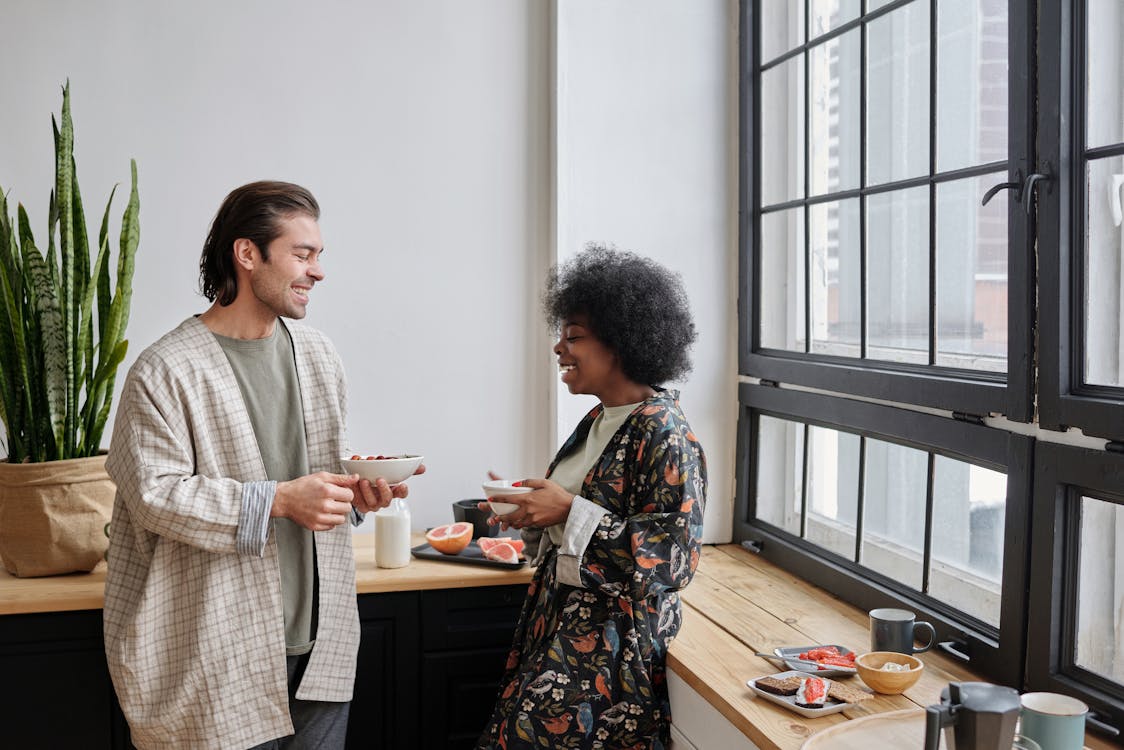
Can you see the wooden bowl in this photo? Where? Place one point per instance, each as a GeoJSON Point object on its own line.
{"type": "Point", "coordinates": [870, 665]}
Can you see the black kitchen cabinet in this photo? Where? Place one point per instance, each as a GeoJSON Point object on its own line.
{"type": "Point", "coordinates": [384, 709]}
{"type": "Point", "coordinates": [466, 636]}
{"type": "Point", "coordinates": [55, 692]}
{"type": "Point", "coordinates": [428, 669]}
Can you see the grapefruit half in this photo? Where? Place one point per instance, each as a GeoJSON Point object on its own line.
{"type": "Point", "coordinates": [451, 538]}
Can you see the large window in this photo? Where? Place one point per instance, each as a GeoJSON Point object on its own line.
{"type": "Point", "coordinates": [933, 248]}
{"type": "Point", "coordinates": [876, 136]}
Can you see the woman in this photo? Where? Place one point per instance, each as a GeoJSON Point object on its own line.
{"type": "Point", "coordinates": [622, 511]}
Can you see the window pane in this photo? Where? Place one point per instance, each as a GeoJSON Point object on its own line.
{"type": "Point", "coordinates": [1105, 72]}
{"type": "Point", "coordinates": [897, 242]}
{"type": "Point", "coordinates": [1104, 243]}
{"type": "Point", "coordinates": [830, 14]}
{"type": "Point", "coordinates": [972, 275]}
{"type": "Point", "coordinates": [780, 472]}
{"type": "Point", "coordinates": [1100, 587]}
{"type": "Point", "coordinates": [971, 82]}
{"type": "Point", "coordinates": [782, 132]}
{"type": "Point", "coordinates": [833, 490]}
{"type": "Point", "coordinates": [897, 109]}
{"type": "Point", "coordinates": [781, 290]}
{"type": "Point", "coordinates": [836, 278]}
{"type": "Point", "coordinates": [969, 508]}
{"type": "Point", "coordinates": [782, 27]}
{"type": "Point", "coordinates": [894, 489]}
{"type": "Point", "coordinates": [834, 110]}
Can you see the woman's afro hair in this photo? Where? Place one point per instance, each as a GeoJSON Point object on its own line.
{"type": "Point", "coordinates": [634, 306]}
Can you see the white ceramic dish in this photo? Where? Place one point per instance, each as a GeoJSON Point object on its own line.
{"type": "Point", "coordinates": [503, 488]}
{"type": "Point", "coordinates": [830, 706]}
{"type": "Point", "coordinates": [502, 509]}
{"type": "Point", "coordinates": [792, 653]}
{"type": "Point", "coordinates": [394, 469]}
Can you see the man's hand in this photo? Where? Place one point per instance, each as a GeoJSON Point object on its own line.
{"type": "Point", "coordinates": [319, 501]}
{"type": "Point", "coordinates": [369, 497]}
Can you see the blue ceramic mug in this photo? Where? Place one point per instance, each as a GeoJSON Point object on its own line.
{"type": "Point", "coordinates": [1053, 720]}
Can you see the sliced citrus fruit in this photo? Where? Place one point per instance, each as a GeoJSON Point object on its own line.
{"type": "Point", "coordinates": [502, 552]}
{"type": "Point", "coordinates": [451, 538]}
{"type": "Point", "coordinates": [486, 543]}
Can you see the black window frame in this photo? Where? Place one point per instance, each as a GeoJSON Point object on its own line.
{"type": "Point", "coordinates": [1045, 306]}
{"type": "Point", "coordinates": [978, 393]}
{"type": "Point", "coordinates": [1064, 401]}
{"type": "Point", "coordinates": [1062, 473]}
{"type": "Point", "coordinates": [996, 652]}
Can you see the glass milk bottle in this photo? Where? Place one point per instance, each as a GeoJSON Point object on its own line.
{"type": "Point", "coordinates": [392, 535]}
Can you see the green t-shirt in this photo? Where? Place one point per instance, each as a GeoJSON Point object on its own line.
{"type": "Point", "coordinates": [266, 371]}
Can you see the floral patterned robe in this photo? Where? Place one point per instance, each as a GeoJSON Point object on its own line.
{"type": "Point", "coordinates": [586, 669]}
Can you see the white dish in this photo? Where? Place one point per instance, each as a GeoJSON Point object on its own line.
{"type": "Point", "coordinates": [502, 487]}
{"type": "Point", "coordinates": [791, 655]}
{"type": "Point", "coordinates": [394, 469]}
{"type": "Point", "coordinates": [830, 706]}
{"type": "Point", "coordinates": [502, 509]}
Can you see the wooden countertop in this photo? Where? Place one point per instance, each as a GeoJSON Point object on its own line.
{"type": "Point", "coordinates": [738, 604]}
{"type": "Point", "coordinates": [79, 591]}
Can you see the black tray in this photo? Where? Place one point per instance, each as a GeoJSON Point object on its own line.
{"type": "Point", "coordinates": [472, 554]}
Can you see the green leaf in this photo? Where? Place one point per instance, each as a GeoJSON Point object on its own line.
{"type": "Point", "coordinates": [54, 361]}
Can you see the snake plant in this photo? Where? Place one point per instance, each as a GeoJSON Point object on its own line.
{"type": "Point", "coordinates": [61, 326]}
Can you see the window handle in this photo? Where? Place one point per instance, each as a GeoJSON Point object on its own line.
{"type": "Point", "coordinates": [956, 648]}
{"type": "Point", "coordinates": [1114, 198]}
{"type": "Point", "coordinates": [1016, 186]}
{"type": "Point", "coordinates": [1099, 726]}
{"type": "Point", "coordinates": [1028, 189]}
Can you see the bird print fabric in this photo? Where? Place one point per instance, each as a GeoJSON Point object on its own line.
{"type": "Point", "coordinates": [587, 666]}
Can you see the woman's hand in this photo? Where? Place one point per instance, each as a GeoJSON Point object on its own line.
{"type": "Point", "coordinates": [546, 505]}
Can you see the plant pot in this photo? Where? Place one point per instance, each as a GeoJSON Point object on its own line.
{"type": "Point", "coordinates": [53, 515]}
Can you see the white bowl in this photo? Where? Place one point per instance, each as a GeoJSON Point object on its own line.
{"type": "Point", "coordinates": [502, 488]}
{"type": "Point", "coordinates": [502, 509]}
{"type": "Point", "coordinates": [393, 469]}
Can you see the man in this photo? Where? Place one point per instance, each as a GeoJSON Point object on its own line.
{"type": "Point", "coordinates": [230, 613]}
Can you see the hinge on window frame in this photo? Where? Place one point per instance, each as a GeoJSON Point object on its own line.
{"type": "Point", "coordinates": [769, 383]}
{"type": "Point", "coordinates": [961, 416]}
{"type": "Point", "coordinates": [1114, 447]}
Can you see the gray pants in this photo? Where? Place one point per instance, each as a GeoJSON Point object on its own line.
{"type": "Point", "coordinates": [319, 725]}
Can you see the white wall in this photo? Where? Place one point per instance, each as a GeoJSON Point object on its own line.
{"type": "Point", "coordinates": [421, 127]}
{"type": "Point", "coordinates": [424, 128]}
{"type": "Point", "coordinates": [646, 158]}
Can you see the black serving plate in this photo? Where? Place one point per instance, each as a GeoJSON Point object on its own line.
{"type": "Point", "coordinates": [472, 555]}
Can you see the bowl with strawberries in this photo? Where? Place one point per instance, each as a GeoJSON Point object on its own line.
{"type": "Point", "coordinates": [393, 468]}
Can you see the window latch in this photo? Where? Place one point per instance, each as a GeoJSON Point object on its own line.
{"type": "Point", "coordinates": [753, 546]}
{"type": "Point", "coordinates": [1028, 189]}
{"type": "Point", "coordinates": [1017, 186]}
{"type": "Point", "coordinates": [1097, 725]}
{"type": "Point", "coordinates": [957, 648]}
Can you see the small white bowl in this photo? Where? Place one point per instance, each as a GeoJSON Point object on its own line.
{"type": "Point", "coordinates": [502, 509]}
{"type": "Point", "coordinates": [393, 469]}
{"type": "Point", "coordinates": [503, 488]}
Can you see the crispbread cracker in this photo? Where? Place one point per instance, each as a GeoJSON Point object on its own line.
{"type": "Point", "coordinates": [846, 693]}
{"type": "Point", "coordinates": [786, 686]}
